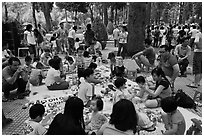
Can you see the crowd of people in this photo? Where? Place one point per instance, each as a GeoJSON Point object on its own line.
{"type": "Point", "coordinates": [175, 45]}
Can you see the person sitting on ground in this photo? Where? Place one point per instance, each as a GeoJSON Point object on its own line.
{"type": "Point", "coordinates": [121, 92]}
{"type": "Point", "coordinates": [121, 122]}
{"type": "Point", "coordinates": [77, 43]}
{"type": "Point", "coordinates": [111, 57]}
{"type": "Point", "coordinates": [97, 118]}
{"type": "Point", "coordinates": [173, 119]}
{"type": "Point", "coordinates": [53, 81]}
{"type": "Point", "coordinates": [45, 57]}
{"type": "Point", "coordinates": [86, 89]}
{"type": "Point", "coordinates": [71, 122]}
{"type": "Point", "coordinates": [33, 126]}
{"type": "Point", "coordinates": [69, 60]}
{"type": "Point", "coordinates": [13, 76]}
{"type": "Point", "coordinates": [27, 66]}
{"type": "Point", "coordinates": [147, 56]}
{"type": "Point", "coordinates": [87, 59]}
{"type": "Point", "coordinates": [38, 64]}
{"type": "Point", "coordinates": [119, 69]}
{"type": "Point", "coordinates": [162, 89]}
{"type": "Point", "coordinates": [94, 80]}
{"type": "Point", "coordinates": [182, 52]}
{"type": "Point", "coordinates": [169, 64]}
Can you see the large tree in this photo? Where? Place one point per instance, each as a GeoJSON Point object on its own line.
{"type": "Point", "coordinates": [136, 27]}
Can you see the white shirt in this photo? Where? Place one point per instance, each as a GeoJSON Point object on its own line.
{"type": "Point", "coordinates": [193, 33]}
{"type": "Point", "coordinates": [72, 34]}
{"type": "Point", "coordinates": [33, 128]}
{"type": "Point", "coordinates": [30, 37]}
{"type": "Point", "coordinates": [85, 91]}
{"type": "Point", "coordinates": [116, 33]}
{"type": "Point", "coordinates": [51, 74]}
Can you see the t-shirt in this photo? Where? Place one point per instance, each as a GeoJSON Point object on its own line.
{"type": "Point", "coordinates": [167, 63]}
{"type": "Point", "coordinates": [30, 37]}
{"type": "Point", "coordinates": [33, 128]}
{"type": "Point", "coordinates": [198, 42]}
{"type": "Point", "coordinates": [34, 76]}
{"type": "Point", "coordinates": [6, 74]}
{"type": "Point", "coordinates": [116, 33]}
{"type": "Point", "coordinates": [85, 91]}
{"type": "Point", "coordinates": [119, 71]}
{"type": "Point", "coordinates": [193, 33]}
{"type": "Point", "coordinates": [51, 74]}
{"type": "Point", "coordinates": [182, 52]}
{"type": "Point", "coordinates": [108, 129]}
{"type": "Point", "coordinates": [61, 33]}
{"type": "Point", "coordinates": [123, 37]}
{"type": "Point", "coordinates": [71, 34]}
{"type": "Point", "coordinates": [150, 54]}
{"type": "Point", "coordinates": [79, 61]}
{"type": "Point", "coordinates": [118, 94]}
{"type": "Point", "coordinates": [166, 91]}
{"type": "Point", "coordinates": [97, 121]}
{"type": "Point", "coordinates": [177, 118]}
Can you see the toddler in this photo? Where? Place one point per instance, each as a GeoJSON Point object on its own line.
{"type": "Point", "coordinates": [97, 119]}
{"type": "Point", "coordinates": [33, 126]}
{"type": "Point", "coordinates": [87, 59]}
{"type": "Point", "coordinates": [119, 69]}
{"type": "Point", "coordinates": [173, 119]}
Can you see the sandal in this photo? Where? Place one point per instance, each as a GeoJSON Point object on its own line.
{"type": "Point", "coordinates": [192, 85]}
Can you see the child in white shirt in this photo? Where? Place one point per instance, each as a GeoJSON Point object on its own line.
{"type": "Point", "coordinates": [33, 126]}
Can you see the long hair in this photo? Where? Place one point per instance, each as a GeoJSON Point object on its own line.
{"type": "Point", "coordinates": [73, 112]}
{"type": "Point", "coordinates": [124, 116]}
{"type": "Point", "coordinates": [159, 72]}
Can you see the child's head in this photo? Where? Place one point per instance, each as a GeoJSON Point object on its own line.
{"type": "Point", "coordinates": [86, 54]}
{"type": "Point", "coordinates": [88, 72]}
{"type": "Point", "coordinates": [28, 60]}
{"type": "Point", "coordinates": [93, 66]}
{"type": "Point", "coordinates": [69, 59]}
{"type": "Point", "coordinates": [80, 51]}
{"type": "Point", "coordinates": [77, 39]}
{"type": "Point", "coordinates": [36, 112]}
{"type": "Point", "coordinates": [140, 80]}
{"type": "Point", "coordinates": [111, 56]}
{"type": "Point", "coordinates": [119, 61]}
{"type": "Point", "coordinates": [96, 104]}
{"type": "Point", "coordinates": [169, 104]}
{"type": "Point", "coordinates": [120, 82]}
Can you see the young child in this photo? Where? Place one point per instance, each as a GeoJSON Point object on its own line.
{"type": "Point", "coordinates": [53, 43]}
{"type": "Point", "coordinates": [27, 66]}
{"type": "Point", "coordinates": [111, 57]}
{"type": "Point", "coordinates": [45, 57]}
{"type": "Point", "coordinates": [80, 61]}
{"type": "Point", "coordinates": [120, 92]}
{"type": "Point", "coordinates": [86, 89]}
{"type": "Point", "coordinates": [69, 60]}
{"type": "Point", "coordinates": [97, 118]}
{"type": "Point", "coordinates": [33, 126]}
{"type": "Point", "coordinates": [140, 80]}
{"type": "Point", "coordinates": [173, 119]}
{"type": "Point", "coordinates": [77, 43]}
{"type": "Point", "coordinates": [87, 59]}
{"type": "Point", "coordinates": [119, 69]}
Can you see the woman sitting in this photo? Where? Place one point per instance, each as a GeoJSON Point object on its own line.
{"type": "Point", "coordinates": [71, 122]}
{"type": "Point", "coordinates": [162, 89]}
{"type": "Point", "coordinates": [53, 81]}
{"type": "Point", "coordinates": [123, 120]}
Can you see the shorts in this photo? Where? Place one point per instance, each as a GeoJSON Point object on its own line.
{"type": "Point", "coordinates": [197, 63]}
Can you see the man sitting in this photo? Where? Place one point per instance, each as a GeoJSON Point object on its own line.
{"type": "Point", "coordinates": [14, 76]}
{"type": "Point", "coordinates": [147, 56]}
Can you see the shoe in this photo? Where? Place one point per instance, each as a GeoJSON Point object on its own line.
{"type": "Point", "coordinates": [192, 85]}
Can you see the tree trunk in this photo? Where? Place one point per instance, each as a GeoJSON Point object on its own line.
{"type": "Point", "coordinates": [181, 13]}
{"type": "Point", "coordinates": [112, 14]}
{"type": "Point", "coordinates": [136, 27]}
{"type": "Point", "coordinates": [47, 16]}
{"type": "Point", "coordinates": [34, 18]}
{"type": "Point", "coordinates": [91, 10]}
{"type": "Point", "coordinates": [116, 15]}
{"type": "Point", "coordinates": [105, 14]}
{"type": "Point", "coordinates": [148, 14]}
{"type": "Point", "coordinates": [6, 11]}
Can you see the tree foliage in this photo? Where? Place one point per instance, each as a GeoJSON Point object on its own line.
{"type": "Point", "coordinates": [73, 6]}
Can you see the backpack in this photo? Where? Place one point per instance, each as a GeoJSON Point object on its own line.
{"type": "Point", "coordinates": [184, 100]}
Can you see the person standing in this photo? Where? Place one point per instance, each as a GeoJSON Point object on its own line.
{"type": "Point", "coordinates": [123, 42]}
{"type": "Point", "coordinates": [116, 33]}
{"type": "Point", "coordinates": [71, 39]}
{"type": "Point", "coordinates": [62, 37]}
{"type": "Point", "coordinates": [30, 40]}
{"type": "Point", "coordinates": [183, 51]}
{"type": "Point", "coordinates": [193, 33]}
{"type": "Point", "coordinates": [89, 36]}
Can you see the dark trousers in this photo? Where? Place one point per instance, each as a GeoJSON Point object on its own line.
{"type": "Point", "coordinates": [32, 49]}
{"type": "Point", "coordinates": [62, 86]}
{"type": "Point", "coordinates": [183, 65]}
{"type": "Point", "coordinates": [71, 45]}
{"type": "Point", "coordinates": [192, 42]}
{"type": "Point", "coordinates": [115, 42]}
{"type": "Point", "coordinates": [122, 49]}
{"type": "Point", "coordinates": [20, 84]}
